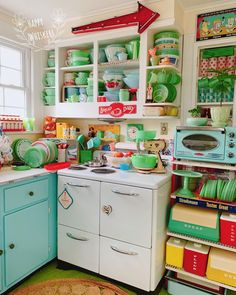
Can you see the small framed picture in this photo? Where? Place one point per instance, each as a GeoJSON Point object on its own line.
{"type": "Point", "coordinates": [216, 24]}
{"type": "Point", "coordinates": [131, 131]}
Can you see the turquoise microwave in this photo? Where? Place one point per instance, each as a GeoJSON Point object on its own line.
{"type": "Point", "coordinates": [206, 144]}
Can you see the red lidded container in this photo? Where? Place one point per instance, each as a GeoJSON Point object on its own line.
{"type": "Point", "coordinates": [228, 229]}
{"type": "Point", "coordinates": [195, 258]}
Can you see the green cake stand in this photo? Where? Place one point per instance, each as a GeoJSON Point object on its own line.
{"type": "Point", "coordinates": [185, 191]}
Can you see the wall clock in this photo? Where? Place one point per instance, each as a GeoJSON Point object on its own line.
{"type": "Point", "coordinates": [131, 131]}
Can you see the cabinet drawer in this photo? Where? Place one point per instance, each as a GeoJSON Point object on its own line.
{"type": "Point", "coordinates": [126, 214]}
{"type": "Point", "coordinates": [78, 247]}
{"type": "Point", "coordinates": [25, 194]}
{"type": "Point", "coordinates": [81, 210]}
{"type": "Point", "coordinates": [125, 262]}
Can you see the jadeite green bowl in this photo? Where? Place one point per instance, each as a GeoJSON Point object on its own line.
{"type": "Point", "coordinates": [196, 121]}
{"type": "Point", "coordinates": [141, 161]}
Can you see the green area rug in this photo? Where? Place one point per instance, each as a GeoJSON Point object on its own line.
{"type": "Point", "coordinates": [50, 272]}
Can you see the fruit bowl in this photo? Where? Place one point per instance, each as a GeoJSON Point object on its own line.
{"type": "Point", "coordinates": [116, 161]}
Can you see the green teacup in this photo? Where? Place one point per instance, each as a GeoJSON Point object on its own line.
{"type": "Point", "coordinates": [50, 75]}
{"type": "Point", "coordinates": [51, 62]}
{"type": "Point", "coordinates": [79, 53]}
{"type": "Point", "coordinates": [49, 100]}
{"type": "Point", "coordinates": [50, 91]}
{"type": "Point", "coordinates": [50, 81]}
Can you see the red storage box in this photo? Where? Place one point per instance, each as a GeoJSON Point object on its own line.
{"type": "Point", "coordinates": [228, 229]}
{"type": "Point", "coordinates": [195, 258]}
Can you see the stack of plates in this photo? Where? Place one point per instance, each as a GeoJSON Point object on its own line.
{"type": "Point", "coordinates": [19, 147]}
{"type": "Point", "coordinates": [223, 190]}
{"type": "Point", "coordinates": [164, 93]}
{"type": "Point", "coordinates": [41, 153]}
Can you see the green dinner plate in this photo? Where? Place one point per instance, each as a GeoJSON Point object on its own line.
{"type": "Point", "coordinates": [22, 168]}
{"type": "Point", "coordinates": [160, 93]}
{"type": "Point", "coordinates": [172, 92]}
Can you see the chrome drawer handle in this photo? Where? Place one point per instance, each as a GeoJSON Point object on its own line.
{"type": "Point", "coordinates": [77, 185]}
{"type": "Point", "coordinates": [124, 194]}
{"type": "Point", "coordinates": [31, 194]}
{"type": "Point", "coordinates": [1, 252]}
{"type": "Point", "coordinates": [12, 246]}
{"type": "Point", "coordinates": [107, 209]}
{"type": "Point", "coordinates": [69, 235]}
{"type": "Point", "coordinates": [123, 251]}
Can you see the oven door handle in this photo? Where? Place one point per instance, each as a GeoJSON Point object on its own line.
{"type": "Point", "coordinates": [123, 251]}
{"type": "Point", "coordinates": [124, 194]}
{"type": "Point", "coordinates": [77, 185]}
{"type": "Point", "coordinates": [69, 235]}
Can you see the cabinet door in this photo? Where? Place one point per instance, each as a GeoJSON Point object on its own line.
{"type": "Point", "coordinates": [26, 240]}
{"type": "Point", "coordinates": [124, 262]}
{"type": "Point", "coordinates": [78, 247]}
{"type": "Point", "coordinates": [126, 213]}
{"type": "Point", "coordinates": [81, 210]}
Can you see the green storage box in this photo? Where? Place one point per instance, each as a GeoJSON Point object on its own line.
{"type": "Point", "coordinates": [194, 221]}
{"type": "Point", "coordinates": [85, 156]}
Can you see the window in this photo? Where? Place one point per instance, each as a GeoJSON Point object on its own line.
{"type": "Point", "coordinates": [14, 87]}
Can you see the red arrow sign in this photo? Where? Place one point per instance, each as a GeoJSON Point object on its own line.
{"type": "Point", "coordinates": [143, 18]}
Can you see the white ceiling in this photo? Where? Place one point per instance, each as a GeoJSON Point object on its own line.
{"type": "Point", "coordinates": [76, 9]}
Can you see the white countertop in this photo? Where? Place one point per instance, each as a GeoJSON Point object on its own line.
{"type": "Point", "coordinates": [151, 181]}
{"type": "Point", "coordinates": [8, 175]}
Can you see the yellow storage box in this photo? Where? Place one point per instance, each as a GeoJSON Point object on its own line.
{"type": "Point", "coordinates": [222, 266]}
{"type": "Point", "coordinates": [175, 252]}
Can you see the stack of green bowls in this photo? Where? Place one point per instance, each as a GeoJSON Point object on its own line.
{"type": "Point", "coordinates": [167, 44]}
{"type": "Point", "coordinates": [51, 59]}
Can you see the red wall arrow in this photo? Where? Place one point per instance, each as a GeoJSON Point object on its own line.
{"type": "Point", "coordinates": [143, 18]}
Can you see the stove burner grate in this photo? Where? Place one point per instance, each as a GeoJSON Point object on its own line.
{"type": "Point", "coordinates": [77, 167]}
{"type": "Point", "coordinates": [103, 170]}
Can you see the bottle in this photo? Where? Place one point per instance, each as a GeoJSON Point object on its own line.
{"type": "Point", "coordinates": [73, 133]}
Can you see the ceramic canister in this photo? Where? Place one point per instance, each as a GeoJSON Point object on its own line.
{"type": "Point", "coordinates": [228, 229]}
{"type": "Point", "coordinates": [231, 62]}
{"type": "Point", "coordinates": [213, 66]}
{"type": "Point", "coordinates": [195, 258]}
{"type": "Point", "coordinates": [175, 252]}
{"type": "Point", "coordinates": [69, 78]}
{"type": "Point", "coordinates": [221, 62]}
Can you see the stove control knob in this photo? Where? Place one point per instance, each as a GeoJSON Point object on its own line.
{"type": "Point", "coordinates": [231, 134]}
{"type": "Point", "coordinates": [231, 144]}
{"type": "Point", "coordinates": [230, 155]}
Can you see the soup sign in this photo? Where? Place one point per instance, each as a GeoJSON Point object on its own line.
{"type": "Point", "coordinates": [117, 109]}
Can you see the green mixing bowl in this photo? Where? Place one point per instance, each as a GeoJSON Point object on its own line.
{"type": "Point", "coordinates": [144, 161]}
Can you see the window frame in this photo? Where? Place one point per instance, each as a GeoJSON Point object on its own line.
{"type": "Point", "coordinates": [26, 73]}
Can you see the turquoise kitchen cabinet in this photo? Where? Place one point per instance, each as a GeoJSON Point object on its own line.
{"type": "Point", "coordinates": [27, 227]}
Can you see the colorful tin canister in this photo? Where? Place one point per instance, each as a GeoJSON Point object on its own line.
{"type": "Point", "coordinates": [221, 266]}
{"type": "Point", "coordinates": [195, 258]}
{"type": "Point", "coordinates": [198, 222]}
{"type": "Point", "coordinates": [228, 229]}
{"type": "Point", "coordinates": [175, 252]}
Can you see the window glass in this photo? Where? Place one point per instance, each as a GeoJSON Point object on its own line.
{"type": "Point", "coordinates": [13, 83]}
{"type": "Point", "coordinates": [11, 77]}
{"type": "Point", "coordinates": [14, 98]}
{"type": "Point", "coordinates": [11, 58]}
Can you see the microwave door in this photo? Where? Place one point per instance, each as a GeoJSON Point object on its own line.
{"type": "Point", "coordinates": [208, 145]}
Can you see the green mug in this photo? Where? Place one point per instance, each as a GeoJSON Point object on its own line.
{"type": "Point", "coordinates": [124, 95]}
{"type": "Point", "coordinates": [50, 81]}
{"type": "Point", "coordinates": [49, 100]}
{"type": "Point", "coordinates": [203, 83]}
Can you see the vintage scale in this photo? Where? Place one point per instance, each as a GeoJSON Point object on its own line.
{"type": "Point", "coordinates": [152, 146]}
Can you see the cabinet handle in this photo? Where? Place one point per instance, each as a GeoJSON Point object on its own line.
{"type": "Point", "coordinates": [124, 194]}
{"type": "Point", "coordinates": [107, 209]}
{"type": "Point", "coordinates": [1, 252]}
{"type": "Point", "coordinates": [77, 185]}
{"type": "Point", "coordinates": [123, 251]}
{"type": "Point", "coordinates": [12, 246]}
{"type": "Point", "coordinates": [31, 194]}
{"type": "Point", "coordinates": [69, 235]}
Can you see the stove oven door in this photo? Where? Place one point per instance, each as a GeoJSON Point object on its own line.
{"type": "Point", "coordinates": [126, 213]}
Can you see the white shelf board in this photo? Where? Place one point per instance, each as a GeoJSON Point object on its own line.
{"type": "Point", "coordinates": [160, 104]}
{"type": "Point", "coordinates": [214, 103]}
{"type": "Point", "coordinates": [203, 279]}
{"type": "Point", "coordinates": [75, 86]}
{"type": "Point", "coordinates": [78, 68]}
{"type": "Point", "coordinates": [125, 64]}
{"type": "Point", "coordinates": [202, 241]}
{"type": "Point", "coordinates": [161, 117]}
{"type": "Point", "coordinates": [205, 165]}
{"type": "Point", "coordinates": [160, 67]}
{"type": "Point", "coordinates": [49, 69]}
{"type": "Point", "coordinates": [47, 87]}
